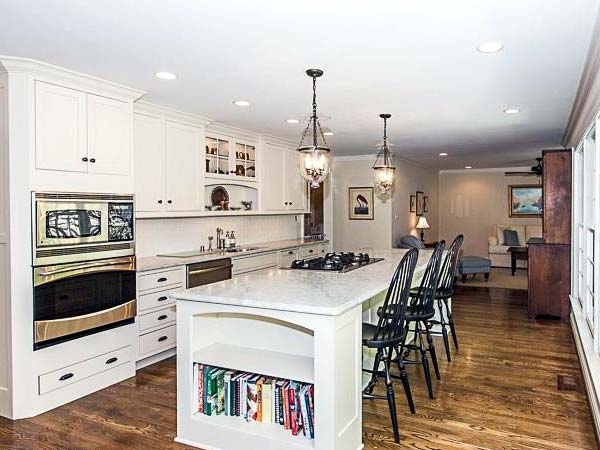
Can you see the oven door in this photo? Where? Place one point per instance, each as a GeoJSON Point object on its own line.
{"type": "Point", "coordinates": [71, 223]}
{"type": "Point", "coordinates": [74, 300]}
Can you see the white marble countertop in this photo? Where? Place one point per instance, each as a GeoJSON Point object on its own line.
{"type": "Point", "coordinates": [305, 291]}
{"type": "Point", "coordinates": [161, 262]}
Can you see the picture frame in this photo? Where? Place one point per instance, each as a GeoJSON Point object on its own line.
{"type": "Point", "coordinates": [420, 206]}
{"type": "Point", "coordinates": [361, 203]}
{"type": "Point", "coordinates": [426, 204]}
{"type": "Point", "coordinates": [413, 203]}
{"type": "Point", "coordinates": [525, 200]}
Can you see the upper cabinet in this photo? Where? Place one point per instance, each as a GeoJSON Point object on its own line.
{"type": "Point", "coordinates": [168, 170]}
{"type": "Point", "coordinates": [229, 158]}
{"type": "Point", "coordinates": [281, 188]}
{"type": "Point", "coordinates": [80, 132]}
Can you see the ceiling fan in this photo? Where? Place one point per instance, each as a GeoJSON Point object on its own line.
{"type": "Point", "coordinates": [534, 171]}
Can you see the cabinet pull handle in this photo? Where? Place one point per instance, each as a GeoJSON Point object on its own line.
{"type": "Point", "coordinates": [163, 317]}
{"type": "Point", "coordinates": [66, 376]}
{"type": "Point", "coordinates": [291, 252]}
{"type": "Point", "coordinates": [169, 201]}
{"type": "Point", "coordinates": [160, 202]}
{"type": "Point", "coordinates": [162, 338]}
{"type": "Point", "coordinates": [161, 299]}
{"type": "Point", "coordinates": [161, 280]}
{"type": "Point", "coordinates": [93, 160]}
{"type": "Point", "coordinates": [112, 360]}
{"type": "Point", "coordinates": [84, 159]}
{"type": "Point", "coordinates": [311, 250]}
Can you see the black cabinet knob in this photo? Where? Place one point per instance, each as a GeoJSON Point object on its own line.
{"type": "Point", "coordinates": [93, 160]}
{"type": "Point", "coordinates": [169, 201]}
{"type": "Point", "coordinates": [291, 203]}
{"type": "Point", "coordinates": [160, 202]}
{"type": "Point", "coordinates": [163, 317]}
{"type": "Point", "coordinates": [161, 280]}
{"type": "Point", "coordinates": [66, 376]}
{"type": "Point", "coordinates": [310, 251]}
{"type": "Point", "coordinates": [291, 252]}
{"type": "Point", "coordinates": [112, 360]}
{"type": "Point", "coordinates": [162, 338]}
{"type": "Point", "coordinates": [161, 299]}
{"type": "Point", "coordinates": [84, 159]}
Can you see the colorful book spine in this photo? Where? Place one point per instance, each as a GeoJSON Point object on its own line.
{"type": "Point", "coordinates": [252, 399]}
{"type": "Point", "coordinates": [292, 407]}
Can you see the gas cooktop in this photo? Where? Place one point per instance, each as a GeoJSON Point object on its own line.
{"type": "Point", "coordinates": [336, 262]}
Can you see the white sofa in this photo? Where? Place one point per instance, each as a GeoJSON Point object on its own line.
{"type": "Point", "coordinates": [498, 250]}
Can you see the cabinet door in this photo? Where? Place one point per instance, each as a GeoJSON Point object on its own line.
{"type": "Point", "coordinates": [109, 135]}
{"type": "Point", "coordinates": [60, 128]}
{"type": "Point", "coordinates": [149, 163]}
{"type": "Point", "coordinates": [182, 164]}
{"type": "Point", "coordinates": [272, 178]}
{"type": "Point", "coordinates": [295, 185]}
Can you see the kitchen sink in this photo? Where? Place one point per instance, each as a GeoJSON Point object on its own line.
{"type": "Point", "coordinates": [242, 249]}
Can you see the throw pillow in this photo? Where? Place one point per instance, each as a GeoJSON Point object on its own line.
{"type": "Point", "coordinates": [511, 238]}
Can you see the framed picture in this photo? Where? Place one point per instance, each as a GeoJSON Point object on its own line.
{"type": "Point", "coordinates": [360, 203]}
{"type": "Point", "coordinates": [525, 200]}
{"type": "Point", "coordinates": [420, 203]}
{"type": "Point", "coordinates": [426, 204]}
{"type": "Point", "coordinates": [413, 203]}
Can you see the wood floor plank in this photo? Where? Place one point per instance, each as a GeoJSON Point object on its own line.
{"type": "Point", "coordinates": [499, 393]}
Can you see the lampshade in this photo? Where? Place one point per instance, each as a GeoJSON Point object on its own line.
{"type": "Point", "coordinates": [422, 223]}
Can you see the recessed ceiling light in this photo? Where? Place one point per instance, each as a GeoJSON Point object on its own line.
{"type": "Point", "coordinates": [165, 75]}
{"type": "Point", "coordinates": [443, 154]}
{"type": "Point", "coordinates": [490, 47]}
{"type": "Point", "coordinates": [241, 103]}
{"type": "Point", "coordinates": [328, 133]}
{"type": "Point", "coordinates": [292, 121]}
{"type": "Point", "coordinates": [512, 111]}
{"type": "Point", "coordinates": [468, 167]}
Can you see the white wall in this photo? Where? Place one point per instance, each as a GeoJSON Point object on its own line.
{"type": "Point", "coordinates": [156, 236]}
{"type": "Point", "coordinates": [473, 201]}
{"type": "Point", "coordinates": [392, 215]}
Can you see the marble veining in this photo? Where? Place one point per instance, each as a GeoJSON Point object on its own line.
{"type": "Point", "coordinates": [312, 292]}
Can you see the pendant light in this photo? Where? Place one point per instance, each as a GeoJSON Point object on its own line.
{"type": "Point", "coordinates": [383, 170]}
{"type": "Point", "coordinates": [313, 148]}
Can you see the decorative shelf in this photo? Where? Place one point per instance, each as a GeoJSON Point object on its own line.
{"type": "Point", "coordinates": [274, 364]}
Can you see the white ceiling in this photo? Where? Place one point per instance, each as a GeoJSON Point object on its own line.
{"type": "Point", "coordinates": [414, 59]}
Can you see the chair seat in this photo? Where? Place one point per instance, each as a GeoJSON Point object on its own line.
{"type": "Point", "coordinates": [439, 295]}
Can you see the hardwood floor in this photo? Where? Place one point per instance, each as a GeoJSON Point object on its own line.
{"type": "Point", "coordinates": [499, 392]}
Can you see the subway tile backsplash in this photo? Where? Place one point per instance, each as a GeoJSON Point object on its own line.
{"type": "Point", "coordinates": [156, 236]}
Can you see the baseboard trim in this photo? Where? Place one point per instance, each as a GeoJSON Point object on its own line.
{"type": "Point", "coordinates": [155, 358]}
{"type": "Point", "coordinates": [592, 394]}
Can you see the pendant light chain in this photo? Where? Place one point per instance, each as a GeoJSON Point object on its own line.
{"type": "Point", "coordinates": [385, 146]}
{"type": "Point", "coordinates": [314, 105]}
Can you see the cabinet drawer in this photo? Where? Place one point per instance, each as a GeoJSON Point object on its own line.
{"type": "Point", "coordinates": [251, 263]}
{"type": "Point", "coordinates": [285, 257]}
{"type": "Point", "coordinates": [158, 340]}
{"type": "Point", "coordinates": [161, 279]}
{"type": "Point", "coordinates": [323, 249]}
{"type": "Point", "coordinates": [156, 299]}
{"type": "Point", "coordinates": [310, 251]}
{"type": "Point", "coordinates": [165, 316]}
{"type": "Point", "coordinates": [84, 369]}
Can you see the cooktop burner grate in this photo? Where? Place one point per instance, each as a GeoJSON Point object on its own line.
{"type": "Point", "coordinates": [335, 262]}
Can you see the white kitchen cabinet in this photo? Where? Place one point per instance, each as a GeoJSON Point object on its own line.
{"type": "Point", "coordinates": [182, 167]}
{"type": "Point", "coordinates": [282, 187]}
{"type": "Point", "coordinates": [80, 132]}
{"type": "Point", "coordinates": [167, 154]}
{"type": "Point", "coordinates": [108, 135]}
{"type": "Point", "coordinates": [60, 128]}
{"type": "Point", "coordinates": [149, 160]}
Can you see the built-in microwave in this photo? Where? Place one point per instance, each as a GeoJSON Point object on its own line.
{"type": "Point", "coordinates": [71, 227]}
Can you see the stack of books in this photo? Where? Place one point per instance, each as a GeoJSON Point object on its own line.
{"type": "Point", "coordinates": [255, 397]}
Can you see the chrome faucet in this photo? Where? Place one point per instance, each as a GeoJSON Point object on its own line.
{"type": "Point", "coordinates": [219, 243]}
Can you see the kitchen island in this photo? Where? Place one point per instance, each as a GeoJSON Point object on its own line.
{"type": "Point", "coordinates": [282, 324]}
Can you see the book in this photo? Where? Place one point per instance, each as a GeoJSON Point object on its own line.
{"type": "Point", "coordinates": [309, 411]}
{"type": "Point", "coordinates": [304, 414]}
{"type": "Point", "coordinates": [195, 371]}
{"type": "Point", "coordinates": [226, 385]}
{"type": "Point", "coordinates": [210, 402]}
{"type": "Point", "coordinates": [252, 399]}
{"type": "Point", "coordinates": [292, 408]}
{"type": "Point", "coordinates": [244, 396]}
{"type": "Point", "coordinates": [259, 399]}
{"type": "Point", "coordinates": [267, 401]}
{"type": "Point", "coordinates": [287, 420]}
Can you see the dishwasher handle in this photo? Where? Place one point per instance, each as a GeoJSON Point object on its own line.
{"type": "Point", "coordinates": [210, 269]}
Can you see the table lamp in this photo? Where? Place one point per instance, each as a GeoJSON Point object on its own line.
{"type": "Point", "coordinates": [422, 225]}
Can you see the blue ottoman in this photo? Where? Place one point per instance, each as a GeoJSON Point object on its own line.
{"type": "Point", "coordinates": [474, 265]}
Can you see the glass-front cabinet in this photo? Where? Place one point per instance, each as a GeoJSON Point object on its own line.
{"type": "Point", "coordinates": [228, 158]}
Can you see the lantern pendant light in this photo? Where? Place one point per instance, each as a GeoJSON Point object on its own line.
{"type": "Point", "coordinates": [313, 148]}
{"type": "Point", "coordinates": [384, 171]}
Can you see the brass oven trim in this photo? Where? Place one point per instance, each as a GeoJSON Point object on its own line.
{"type": "Point", "coordinates": [52, 329]}
{"type": "Point", "coordinates": [48, 274]}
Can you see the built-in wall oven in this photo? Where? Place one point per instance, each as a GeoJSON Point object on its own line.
{"type": "Point", "coordinates": [84, 278]}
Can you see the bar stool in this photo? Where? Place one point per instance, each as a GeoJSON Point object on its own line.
{"type": "Point", "coordinates": [389, 333]}
{"type": "Point", "coordinates": [445, 292]}
{"type": "Point", "coordinates": [420, 311]}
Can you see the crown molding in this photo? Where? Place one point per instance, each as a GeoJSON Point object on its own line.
{"type": "Point", "coordinates": [587, 100]}
{"type": "Point", "coordinates": [275, 140]}
{"type": "Point", "coordinates": [486, 170]}
{"type": "Point", "coordinates": [151, 109]}
{"type": "Point", "coordinates": [231, 131]}
{"type": "Point", "coordinates": [78, 80]}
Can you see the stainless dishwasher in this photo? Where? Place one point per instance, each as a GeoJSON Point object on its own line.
{"type": "Point", "coordinates": [208, 272]}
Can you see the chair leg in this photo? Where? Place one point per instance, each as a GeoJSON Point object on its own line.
{"type": "Point", "coordinates": [444, 331]}
{"type": "Point", "coordinates": [432, 352]}
{"type": "Point", "coordinates": [425, 363]}
{"type": "Point", "coordinates": [374, 376]}
{"type": "Point", "coordinates": [391, 400]}
{"type": "Point", "coordinates": [406, 385]}
{"type": "Point", "coordinates": [451, 323]}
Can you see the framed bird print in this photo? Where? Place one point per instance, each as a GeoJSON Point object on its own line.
{"type": "Point", "coordinates": [360, 203]}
